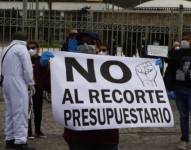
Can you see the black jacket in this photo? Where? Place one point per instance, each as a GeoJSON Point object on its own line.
{"type": "Point", "coordinates": [178, 72]}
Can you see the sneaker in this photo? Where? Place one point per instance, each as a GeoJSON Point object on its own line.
{"type": "Point", "coordinates": [10, 144]}
{"type": "Point", "coordinates": [24, 147]}
{"type": "Point", "coordinates": [40, 135]}
{"type": "Point", "coordinates": [183, 145]}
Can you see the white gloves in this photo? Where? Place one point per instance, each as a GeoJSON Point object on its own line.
{"type": "Point", "coordinates": [31, 90]}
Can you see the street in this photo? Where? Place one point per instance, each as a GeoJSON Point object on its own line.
{"type": "Point", "coordinates": [130, 139]}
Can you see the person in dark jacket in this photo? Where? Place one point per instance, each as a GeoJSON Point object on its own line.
{"type": "Point", "coordinates": [41, 75]}
{"type": "Point", "coordinates": [178, 79]}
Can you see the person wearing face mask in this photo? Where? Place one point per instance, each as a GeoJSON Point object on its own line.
{"type": "Point", "coordinates": [176, 46]}
{"type": "Point", "coordinates": [18, 79]}
{"type": "Point", "coordinates": [119, 52]}
{"type": "Point", "coordinates": [102, 50]}
{"type": "Point", "coordinates": [86, 47]}
{"type": "Point", "coordinates": [39, 74]}
{"type": "Point", "coordinates": [178, 79]}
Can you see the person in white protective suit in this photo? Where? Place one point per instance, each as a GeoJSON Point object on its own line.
{"type": "Point", "coordinates": [17, 74]}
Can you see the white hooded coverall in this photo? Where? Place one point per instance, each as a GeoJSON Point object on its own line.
{"type": "Point", "coordinates": [18, 74]}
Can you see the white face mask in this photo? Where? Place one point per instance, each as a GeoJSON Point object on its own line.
{"type": "Point", "coordinates": [32, 52]}
{"type": "Point", "coordinates": [177, 48]}
{"type": "Point", "coordinates": [102, 53]}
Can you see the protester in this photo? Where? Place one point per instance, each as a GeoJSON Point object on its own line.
{"type": "Point", "coordinates": [178, 79]}
{"type": "Point", "coordinates": [168, 74]}
{"type": "Point", "coordinates": [107, 139]}
{"type": "Point", "coordinates": [102, 50]}
{"type": "Point", "coordinates": [176, 46]}
{"type": "Point", "coordinates": [71, 43]}
{"type": "Point", "coordinates": [84, 47]}
{"type": "Point", "coordinates": [119, 52]}
{"type": "Point", "coordinates": [95, 139]}
{"type": "Point", "coordinates": [18, 79]}
{"type": "Point", "coordinates": [40, 73]}
{"type": "Point", "coordinates": [89, 45]}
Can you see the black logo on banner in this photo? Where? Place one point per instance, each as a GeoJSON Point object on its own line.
{"type": "Point", "coordinates": [146, 73]}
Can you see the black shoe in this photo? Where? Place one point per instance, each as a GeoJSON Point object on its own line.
{"type": "Point", "coordinates": [40, 134]}
{"type": "Point", "coordinates": [24, 147]}
{"type": "Point", "coordinates": [10, 144]}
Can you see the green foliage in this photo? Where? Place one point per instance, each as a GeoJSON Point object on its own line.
{"type": "Point", "coordinates": [53, 44]}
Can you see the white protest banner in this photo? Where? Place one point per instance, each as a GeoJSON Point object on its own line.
{"type": "Point", "coordinates": [161, 51]}
{"type": "Point", "coordinates": [102, 92]}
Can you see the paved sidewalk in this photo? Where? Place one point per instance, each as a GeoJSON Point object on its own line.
{"type": "Point", "coordinates": [130, 139]}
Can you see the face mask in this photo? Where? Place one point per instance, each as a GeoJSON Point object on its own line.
{"type": "Point", "coordinates": [102, 53]}
{"type": "Point", "coordinates": [177, 48]}
{"type": "Point", "coordinates": [32, 52]}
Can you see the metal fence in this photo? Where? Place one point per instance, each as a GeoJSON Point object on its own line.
{"type": "Point", "coordinates": [131, 29]}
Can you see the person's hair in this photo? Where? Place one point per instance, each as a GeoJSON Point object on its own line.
{"type": "Point", "coordinates": [176, 43]}
{"type": "Point", "coordinates": [33, 42]}
{"type": "Point", "coordinates": [73, 33]}
{"type": "Point", "coordinates": [19, 36]}
{"type": "Point", "coordinates": [103, 47]}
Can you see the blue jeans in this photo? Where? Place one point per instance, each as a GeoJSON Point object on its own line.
{"type": "Point", "coordinates": [75, 146]}
{"type": "Point", "coordinates": [183, 101]}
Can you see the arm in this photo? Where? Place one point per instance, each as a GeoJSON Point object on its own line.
{"type": "Point", "coordinates": [169, 76]}
{"type": "Point", "coordinates": [26, 64]}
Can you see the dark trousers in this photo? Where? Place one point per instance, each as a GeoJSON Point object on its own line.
{"type": "Point", "coordinates": [37, 110]}
{"type": "Point", "coordinates": [183, 101]}
{"type": "Point", "coordinates": [76, 146]}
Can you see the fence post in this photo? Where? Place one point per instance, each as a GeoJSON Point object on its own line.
{"type": "Point", "coordinates": [112, 28]}
{"type": "Point", "coordinates": [180, 22]}
{"type": "Point", "coordinates": [24, 15]}
{"type": "Point", "coordinates": [36, 19]}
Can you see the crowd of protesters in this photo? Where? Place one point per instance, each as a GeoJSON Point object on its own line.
{"type": "Point", "coordinates": [26, 75]}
